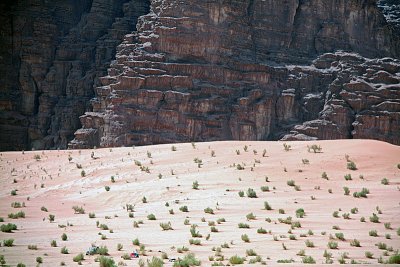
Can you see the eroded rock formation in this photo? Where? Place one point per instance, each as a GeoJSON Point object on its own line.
{"type": "Point", "coordinates": [220, 70]}
{"type": "Point", "coordinates": [52, 56]}
{"type": "Point", "coordinates": [196, 70]}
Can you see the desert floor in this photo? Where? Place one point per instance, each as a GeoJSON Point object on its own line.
{"type": "Point", "coordinates": [54, 180]}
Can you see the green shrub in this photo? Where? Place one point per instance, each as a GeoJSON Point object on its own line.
{"type": "Point", "coordinates": [346, 191]}
{"type": "Point", "coordinates": [155, 262]}
{"type": "Point", "coordinates": [102, 250]}
{"type": "Point", "coordinates": [184, 209]}
{"type": "Point", "coordinates": [265, 188]}
{"type": "Point", "coordinates": [382, 245]}
{"type": "Point", "coordinates": [250, 216]}
{"type": "Point", "coordinates": [245, 238]}
{"type": "Point", "coordinates": [385, 181]}
{"type": "Point", "coordinates": [308, 260]}
{"type": "Point", "coordinates": [394, 259]}
{"type": "Point", "coordinates": [51, 217]}
{"type": "Point", "coordinates": [281, 211]}
{"type": "Point", "coordinates": [8, 242]}
{"type": "Point", "coordinates": [39, 260]}
{"type": "Point", "coordinates": [354, 210]}
{"type": "Point", "coordinates": [347, 177]}
{"type": "Point", "coordinates": [241, 194]}
{"type": "Point", "coordinates": [300, 213]}
{"type": "Point", "coordinates": [196, 242]}
{"type": "Point", "coordinates": [64, 237]}
{"type": "Point", "coordinates": [335, 214]}
{"type": "Point", "coordinates": [106, 262]}
{"type": "Point", "coordinates": [243, 225]}
{"type": "Point", "coordinates": [351, 166]}
{"type": "Point", "coordinates": [78, 210]}
{"type": "Point", "coordinates": [291, 183]}
{"type": "Point", "coordinates": [64, 250]}
{"type": "Point", "coordinates": [92, 215]}
{"type": "Point", "coordinates": [209, 210]}
{"type": "Point", "coordinates": [151, 217]}
{"type": "Point", "coordinates": [21, 265]}
{"type": "Point", "coordinates": [251, 193]}
{"type": "Point", "coordinates": [166, 226]}
{"type": "Point", "coordinates": [332, 245]}
{"type": "Point", "coordinates": [188, 260]}
{"type": "Point", "coordinates": [355, 243]}
{"type": "Point", "coordinates": [107, 188]}
{"type": "Point", "coordinates": [373, 233]}
{"type": "Point", "coordinates": [267, 206]}
{"type": "Point", "coordinates": [195, 185]}
{"type": "Point", "coordinates": [261, 231]}
{"type": "Point", "coordinates": [309, 244]}
{"type": "Point", "coordinates": [8, 228]}
{"type": "Point", "coordinates": [136, 242]}
{"type": "Point", "coordinates": [236, 260]}
{"type": "Point", "coordinates": [324, 175]}
{"type": "Point", "coordinates": [32, 247]}
{"type": "Point", "coordinates": [53, 243]}
{"type": "Point", "coordinates": [78, 258]}
{"type": "Point", "coordinates": [374, 218]}
{"type": "Point", "coordinates": [340, 236]}
{"type": "Point", "coordinates": [19, 214]}
{"type": "Point", "coordinates": [251, 252]}
{"type": "Point", "coordinates": [126, 256]}
{"type": "Point", "coordinates": [369, 255]}
{"type": "Point", "coordinates": [214, 229]}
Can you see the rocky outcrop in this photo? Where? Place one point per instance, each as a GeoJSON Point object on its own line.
{"type": "Point", "coordinates": [54, 54]}
{"type": "Point", "coordinates": [232, 80]}
{"type": "Point", "coordinates": [196, 71]}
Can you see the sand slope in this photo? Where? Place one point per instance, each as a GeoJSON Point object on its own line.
{"type": "Point", "coordinates": [57, 184]}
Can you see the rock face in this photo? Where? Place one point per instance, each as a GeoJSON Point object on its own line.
{"type": "Point", "coordinates": [247, 74]}
{"type": "Point", "coordinates": [52, 55]}
{"type": "Point", "coordinates": [195, 71]}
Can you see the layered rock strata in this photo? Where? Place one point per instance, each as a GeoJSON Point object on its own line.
{"type": "Point", "coordinates": [243, 70]}
{"type": "Point", "coordinates": [53, 54]}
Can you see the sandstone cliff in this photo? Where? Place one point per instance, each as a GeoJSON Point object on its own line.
{"type": "Point", "coordinates": [52, 56]}
{"type": "Point", "coordinates": [196, 70]}
{"type": "Point", "coordinates": [246, 74]}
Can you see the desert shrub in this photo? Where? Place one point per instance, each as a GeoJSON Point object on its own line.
{"type": "Point", "coordinates": [107, 188]}
{"type": "Point", "coordinates": [155, 262]}
{"type": "Point", "coordinates": [51, 217]}
{"type": "Point", "coordinates": [188, 260]}
{"type": "Point", "coordinates": [265, 188]}
{"type": "Point", "coordinates": [251, 252]}
{"type": "Point", "coordinates": [78, 258]}
{"type": "Point", "coordinates": [369, 255]}
{"type": "Point", "coordinates": [346, 190]}
{"type": "Point", "coordinates": [126, 256]}
{"type": "Point", "coordinates": [236, 260]}
{"type": "Point", "coordinates": [309, 244]}
{"type": "Point", "coordinates": [239, 167]}
{"type": "Point", "coordinates": [64, 237]}
{"type": "Point", "coordinates": [103, 226]}
{"type": "Point", "coordinates": [387, 225]}
{"type": "Point", "coordinates": [166, 226]}
{"type": "Point", "coordinates": [335, 214]}
{"type": "Point", "coordinates": [355, 243]}
{"type": "Point", "coordinates": [151, 217]}
{"type": "Point", "coordinates": [78, 210]}
{"type": "Point", "coordinates": [351, 166]}
{"type": "Point", "coordinates": [21, 265]}
{"type": "Point", "coordinates": [39, 260]}
{"type": "Point", "coordinates": [243, 225]}
{"type": "Point", "coordinates": [119, 246]}
{"type": "Point", "coordinates": [196, 242]}
{"type": "Point", "coordinates": [245, 238]}
{"type": "Point", "coordinates": [221, 220]}
{"type": "Point", "coordinates": [385, 181]}
{"type": "Point", "coordinates": [8, 242]}
{"type": "Point", "coordinates": [346, 216]}
{"type": "Point", "coordinates": [8, 228]}
{"type": "Point", "coordinates": [324, 176]}
{"type": "Point", "coordinates": [261, 231]}
{"type": "Point", "coordinates": [102, 250]}
{"type": "Point", "coordinates": [184, 209]}
{"type": "Point", "coordinates": [19, 214]}
{"type": "Point", "coordinates": [381, 245]}
{"type": "Point", "coordinates": [267, 206]}
{"type": "Point", "coordinates": [250, 216]}
{"type": "Point", "coordinates": [286, 147]}
{"type": "Point", "coordinates": [308, 260]}
{"type": "Point", "coordinates": [340, 236]}
{"type": "Point", "coordinates": [214, 229]}
{"type": "Point", "coordinates": [347, 177]}
{"type": "Point", "coordinates": [195, 185]}
{"type": "Point", "coordinates": [291, 183]}
{"type": "Point", "coordinates": [374, 218]}
{"type": "Point", "coordinates": [332, 245]}
{"type": "Point", "coordinates": [194, 232]}
{"type": "Point", "coordinates": [354, 210]}
{"type": "Point", "coordinates": [251, 193]}
{"type": "Point", "coordinates": [300, 213]}
{"type": "Point", "coordinates": [394, 259]}
{"type": "Point", "coordinates": [241, 194]}
{"type": "Point", "coordinates": [106, 262]}
{"type": "Point", "coordinates": [292, 237]}
{"type": "Point", "coordinates": [64, 250]}
{"type": "Point", "coordinates": [53, 243]}
{"type": "Point", "coordinates": [173, 148]}
{"type": "Point", "coordinates": [373, 233]}
{"type": "Point", "coordinates": [32, 247]}
{"type": "Point", "coordinates": [209, 210]}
